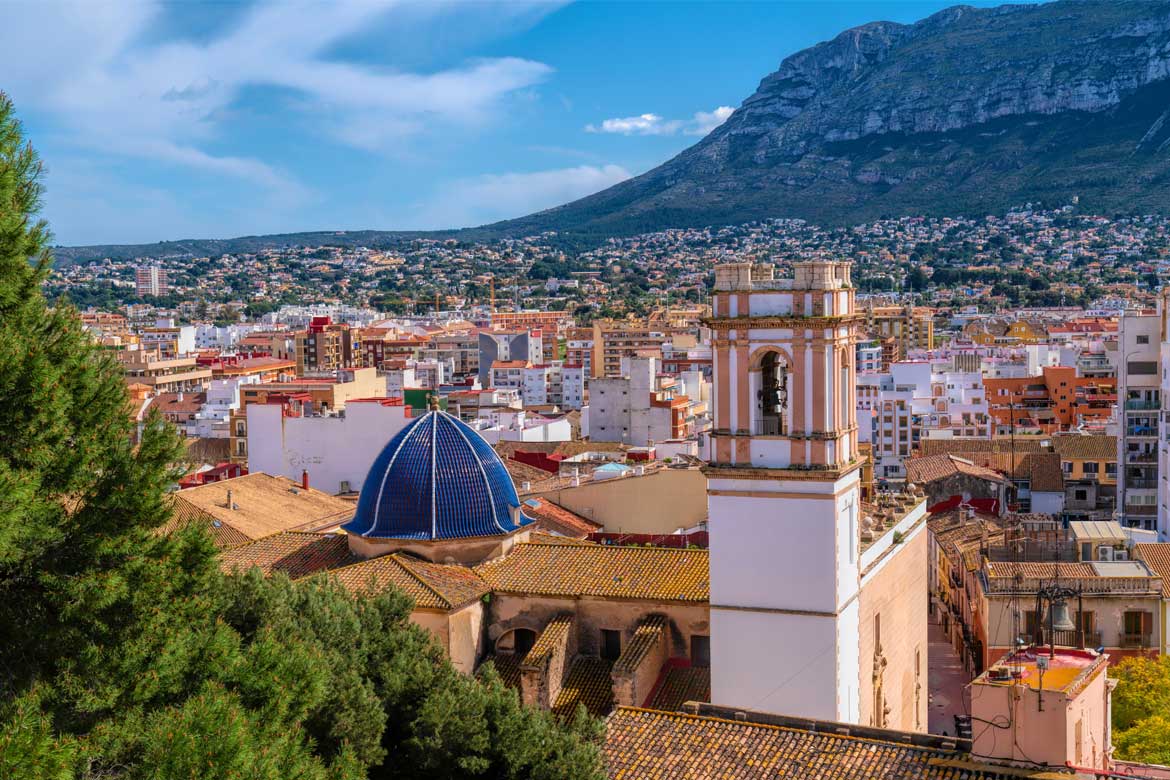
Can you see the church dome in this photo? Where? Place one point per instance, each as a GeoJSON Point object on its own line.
{"type": "Point", "coordinates": [437, 479]}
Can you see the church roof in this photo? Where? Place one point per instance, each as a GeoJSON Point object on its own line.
{"type": "Point", "coordinates": [437, 479]}
{"type": "Point", "coordinates": [574, 570]}
{"type": "Point", "coordinates": [429, 585]}
{"type": "Point", "coordinates": [720, 742]}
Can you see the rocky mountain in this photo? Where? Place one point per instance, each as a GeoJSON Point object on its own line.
{"type": "Point", "coordinates": [967, 111]}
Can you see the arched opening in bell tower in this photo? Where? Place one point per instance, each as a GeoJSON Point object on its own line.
{"type": "Point", "coordinates": [772, 396]}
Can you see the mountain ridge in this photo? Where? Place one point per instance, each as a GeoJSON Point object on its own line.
{"type": "Point", "coordinates": [968, 111]}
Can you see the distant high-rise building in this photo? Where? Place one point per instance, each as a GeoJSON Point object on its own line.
{"type": "Point", "coordinates": [151, 280]}
{"type": "Point", "coordinates": [524, 346]}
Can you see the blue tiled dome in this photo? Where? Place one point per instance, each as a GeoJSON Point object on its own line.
{"type": "Point", "coordinates": [437, 479]}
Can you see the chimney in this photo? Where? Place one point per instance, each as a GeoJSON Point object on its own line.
{"type": "Point", "coordinates": [230, 505]}
{"type": "Point", "coordinates": [305, 479]}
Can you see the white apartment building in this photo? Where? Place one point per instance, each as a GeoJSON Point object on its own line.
{"type": "Point", "coordinates": [573, 386]}
{"type": "Point", "coordinates": [208, 336]}
{"type": "Point", "coordinates": [1139, 400]}
{"type": "Point", "coordinates": [869, 357]}
{"type": "Point", "coordinates": [501, 424]}
{"type": "Point", "coordinates": [640, 409]}
{"type": "Point", "coordinates": [168, 338]}
{"type": "Point", "coordinates": [223, 397]}
{"type": "Point", "coordinates": [915, 400]}
{"type": "Point", "coordinates": [337, 449]}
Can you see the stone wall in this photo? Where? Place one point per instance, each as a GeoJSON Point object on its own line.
{"type": "Point", "coordinates": [893, 599]}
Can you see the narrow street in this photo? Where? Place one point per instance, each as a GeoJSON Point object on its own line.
{"type": "Point", "coordinates": [945, 681]}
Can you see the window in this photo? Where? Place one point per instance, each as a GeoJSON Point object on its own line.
{"type": "Point", "coordinates": [1081, 495]}
{"type": "Point", "coordinates": [700, 651]}
{"type": "Point", "coordinates": [1138, 627]}
{"type": "Point", "coordinates": [1089, 467]}
{"type": "Point", "coordinates": [1031, 625]}
{"type": "Point", "coordinates": [611, 644]}
{"type": "Point", "coordinates": [1143, 339]}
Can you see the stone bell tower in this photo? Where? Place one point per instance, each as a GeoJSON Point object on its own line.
{"type": "Point", "coordinates": [784, 504]}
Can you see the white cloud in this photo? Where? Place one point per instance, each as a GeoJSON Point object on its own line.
{"type": "Point", "coordinates": [490, 198]}
{"type": "Point", "coordinates": [706, 121]}
{"type": "Point", "coordinates": [701, 123]}
{"type": "Point", "coordinates": [88, 67]}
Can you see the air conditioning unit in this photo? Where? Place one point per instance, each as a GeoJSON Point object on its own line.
{"type": "Point", "coordinates": [1104, 553]}
{"type": "Point", "coordinates": [1121, 555]}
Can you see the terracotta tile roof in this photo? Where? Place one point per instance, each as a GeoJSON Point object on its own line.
{"type": "Point", "coordinates": [266, 505]}
{"type": "Point", "coordinates": [1038, 570]}
{"type": "Point", "coordinates": [652, 573]}
{"type": "Point", "coordinates": [508, 667]}
{"type": "Point", "coordinates": [681, 684]}
{"type": "Point", "coordinates": [296, 553]}
{"type": "Point", "coordinates": [223, 534]}
{"type": "Point", "coordinates": [963, 446]}
{"type": "Point", "coordinates": [523, 472]}
{"type": "Point", "coordinates": [550, 638]}
{"type": "Point", "coordinates": [936, 467]}
{"type": "Point", "coordinates": [568, 449]}
{"type": "Point", "coordinates": [170, 403]}
{"type": "Point", "coordinates": [1157, 557]}
{"type": "Point", "coordinates": [1092, 447]}
{"type": "Point", "coordinates": [536, 537]}
{"type": "Point", "coordinates": [1041, 468]}
{"type": "Point", "coordinates": [646, 635]}
{"type": "Point", "coordinates": [649, 745]}
{"type": "Point", "coordinates": [203, 450]}
{"type": "Point", "coordinates": [431, 585]}
{"type": "Point", "coordinates": [558, 520]}
{"type": "Point", "coordinates": [589, 683]}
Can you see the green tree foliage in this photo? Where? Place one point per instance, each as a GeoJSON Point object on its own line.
{"type": "Point", "coordinates": [1141, 702]}
{"type": "Point", "coordinates": [126, 654]}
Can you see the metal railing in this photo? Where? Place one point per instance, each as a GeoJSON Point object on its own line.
{"type": "Point", "coordinates": [768, 426]}
{"type": "Point", "coordinates": [1133, 640]}
{"type": "Point", "coordinates": [1028, 586]}
{"type": "Point", "coordinates": [1142, 405]}
{"type": "Point", "coordinates": [1092, 639]}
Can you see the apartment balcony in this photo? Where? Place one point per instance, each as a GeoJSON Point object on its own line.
{"type": "Point", "coordinates": [1133, 641]}
{"type": "Point", "coordinates": [1141, 457]}
{"type": "Point", "coordinates": [1135, 405]}
{"type": "Point", "coordinates": [1141, 484]}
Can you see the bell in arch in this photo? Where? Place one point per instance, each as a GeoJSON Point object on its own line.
{"type": "Point", "coordinates": [1061, 619]}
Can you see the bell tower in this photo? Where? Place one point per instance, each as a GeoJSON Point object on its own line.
{"type": "Point", "coordinates": [783, 492]}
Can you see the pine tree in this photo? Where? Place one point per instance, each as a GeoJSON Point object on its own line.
{"type": "Point", "coordinates": [125, 653]}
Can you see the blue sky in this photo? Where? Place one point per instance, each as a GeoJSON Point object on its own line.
{"type": "Point", "coordinates": [195, 120]}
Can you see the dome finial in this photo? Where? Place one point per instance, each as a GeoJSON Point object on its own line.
{"type": "Point", "coordinates": [433, 402]}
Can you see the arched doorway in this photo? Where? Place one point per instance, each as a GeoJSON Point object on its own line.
{"type": "Point", "coordinates": [516, 642]}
